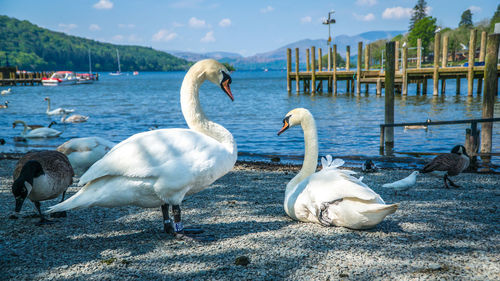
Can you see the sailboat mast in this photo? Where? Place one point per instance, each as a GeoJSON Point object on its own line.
{"type": "Point", "coordinates": [118, 56]}
{"type": "Point", "coordinates": [90, 64]}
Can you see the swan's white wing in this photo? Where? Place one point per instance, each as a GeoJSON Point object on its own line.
{"type": "Point", "coordinates": [329, 185]}
{"type": "Point", "coordinates": [179, 155]}
{"type": "Point", "coordinates": [43, 132]}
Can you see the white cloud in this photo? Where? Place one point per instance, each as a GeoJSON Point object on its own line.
{"type": "Point", "coordinates": [118, 38]}
{"type": "Point", "coordinates": [225, 22]}
{"type": "Point", "coordinates": [122, 25]}
{"type": "Point", "coordinates": [397, 13]}
{"type": "Point", "coordinates": [209, 37]}
{"type": "Point", "coordinates": [66, 27]}
{"type": "Point", "coordinates": [94, 27]}
{"type": "Point", "coordinates": [164, 35]}
{"type": "Point", "coordinates": [134, 38]}
{"type": "Point", "coordinates": [197, 23]}
{"type": "Point", "coordinates": [367, 17]}
{"type": "Point", "coordinates": [306, 19]}
{"type": "Point", "coordinates": [366, 2]}
{"type": "Point", "coordinates": [267, 9]}
{"type": "Point", "coordinates": [103, 5]}
{"type": "Point", "coordinates": [475, 9]}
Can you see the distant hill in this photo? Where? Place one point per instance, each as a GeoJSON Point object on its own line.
{"type": "Point", "coordinates": [220, 56]}
{"type": "Point", "coordinates": [33, 48]}
{"type": "Point", "coordinates": [276, 59]}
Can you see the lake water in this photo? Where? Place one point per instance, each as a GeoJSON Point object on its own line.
{"type": "Point", "coordinates": [348, 125]}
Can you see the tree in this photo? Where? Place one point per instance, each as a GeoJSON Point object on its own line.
{"type": "Point", "coordinates": [419, 12]}
{"type": "Point", "coordinates": [495, 19]}
{"type": "Point", "coordinates": [466, 19]}
{"type": "Point", "coordinates": [424, 29]}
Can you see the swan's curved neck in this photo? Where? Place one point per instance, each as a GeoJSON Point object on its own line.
{"type": "Point", "coordinates": [194, 115]}
{"type": "Point", "coordinates": [311, 151]}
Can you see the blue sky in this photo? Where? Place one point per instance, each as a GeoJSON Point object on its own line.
{"type": "Point", "coordinates": [245, 27]}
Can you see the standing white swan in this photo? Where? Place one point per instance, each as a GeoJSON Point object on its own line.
{"type": "Point", "coordinates": [158, 168]}
{"type": "Point", "coordinates": [331, 196]}
{"type": "Point", "coordinates": [58, 110]}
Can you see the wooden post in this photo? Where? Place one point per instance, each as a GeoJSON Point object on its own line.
{"type": "Point", "coordinates": [320, 59]}
{"type": "Point", "coordinates": [313, 67]}
{"type": "Point", "coordinates": [419, 90]}
{"type": "Point", "coordinates": [308, 61]}
{"type": "Point", "coordinates": [334, 69]}
{"type": "Point", "coordinates": [348, 58]}
{"type": "Point", "coordinates": [396, 62]}
{"type": "Point", "coordinates": [297, 64]}
{"type": "Point", "coordinates": [490, 90]}
{"type": "Point", "coordinates": [458, 85]}
{"type": "Point", "coordinates": [424, 86]}
{"type": "Point", "coordinates": [389, 92]}
{"type": "Point", "coordinates": [444, 62]}
{"type": "Point", "coordinates": [482, 52]}
{"type": "Point", "coordinates": [419, 53]}
{"type": "Point", "coordinates": [379, 86]}
{"type": "Point", "coordinates": [329, 58]}
{"type": "Point", "coordinates": [405, 75]}
{"type": "Point", "coordinates": [367, 57]}
{"type": "Point", "coordinates": [288, 70]}
{"type": "Point", "coordinates": [358, 70]}
{"type": "Point", "coordinates": [435, 76]}
{"type": "Point", "coordinates": [470, 68]}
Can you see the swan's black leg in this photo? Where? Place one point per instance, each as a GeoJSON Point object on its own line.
{"type": "Point", "coordinates": [180, 231]}
{"type": "Point", "coordinates": [43, 220]}
{"type": "Point", "coordinates": [167, 222]}
{"type": "Point", "coordinates": [60, 214]}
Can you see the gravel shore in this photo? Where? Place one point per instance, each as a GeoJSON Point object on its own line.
{"type": "Point", "coordinates": [436, 233]}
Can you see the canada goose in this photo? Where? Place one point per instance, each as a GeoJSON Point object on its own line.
{"type": "Point", "coordinates": [41, 176]}
{"type": "Point", "coordinates": [31, 127]}
{"type": "Point", "coordinates": [158, 168]}
{"type": "Point", "coordinates": [5, 105]}
{"type": "Point", "coordinates": [452, 163]}
{"type": "Point", "coordinates": [330, 197]}
{"type": "Point", "coordinates": [369, 167]}
{"type": "Point", "coordinates": [416, 127]}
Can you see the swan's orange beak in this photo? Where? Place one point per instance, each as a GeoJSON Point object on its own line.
{"type": "Point", "coordinates": [225, 87]}
{"type": "Point", "coordinates": [285, 126]}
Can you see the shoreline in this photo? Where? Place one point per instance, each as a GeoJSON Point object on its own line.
{"type": "Point", "coordinates": [436, 233]}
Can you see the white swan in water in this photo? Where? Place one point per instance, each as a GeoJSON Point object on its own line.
{"type": "Point", "coordinates": [4, 92]}
{"type": "Point", "coordinates": [330, 197]}
{"type": "Point", "coordinates": [75, 118]}
{"type": "Point", "coordinates": [83, 152]}
{"type": "Point", "coordinates": [44, 132]}
{"type": "Point", "coordinates": [58, 110]}
{"type": "Point", "coordinates": [159, 167]}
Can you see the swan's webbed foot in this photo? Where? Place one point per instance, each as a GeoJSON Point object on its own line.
{"type": "Point", "coordinates": [58, 214]}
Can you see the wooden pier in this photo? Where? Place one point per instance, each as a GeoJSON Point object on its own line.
{"type": "Point", "coordinates": [315, 74]}
{"type": "Point", "coordinates": [9, 76]}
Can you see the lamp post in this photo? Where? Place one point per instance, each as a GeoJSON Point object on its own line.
{"type": "Point", "coordinates": [329, 21]}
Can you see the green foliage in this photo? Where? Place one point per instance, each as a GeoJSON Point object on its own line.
{"type": "Point", "coordinates": [424, 29]}
{"type": "Point", "coordinates": [419, 12]}
{"type": "Point", "coordinates": [33, 48]}
{"type": "Point", "coordinates": [466, 19]}
{"type": "Point", "coordinates": [494, 19]}
{"type": "Point", "coordinates": [339, 60]}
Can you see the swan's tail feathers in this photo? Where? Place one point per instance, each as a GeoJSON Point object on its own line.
{"type": "Point", "coordinates": [376, 213]}
{"type": "Point", "coordinates": [328, 162]}
{"type": "Point", "coordinates": [78, 201]}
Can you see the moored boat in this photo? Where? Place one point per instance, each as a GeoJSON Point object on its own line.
{"type": "Point", "coordinates": [60, 78]}
{"type": "Point", "coordinates": [85, 78]}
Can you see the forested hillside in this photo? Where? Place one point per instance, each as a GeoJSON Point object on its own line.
{"type": "Point", "coordinates": [33, 48]}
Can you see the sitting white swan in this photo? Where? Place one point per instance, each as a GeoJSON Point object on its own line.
{"type": "Point", "coordinates": [84, 152]}
{"type": "Point", "coordinates": [4, 92]}
{"type": "Point", "coordinates": [75, 118]}
{"type": "Point", "coordinates": [58, 110]}
{"type": "Point", "coordinates": [159, 167]}
{"type": "Point", "coordinates": [330, 196]}
{"type": "Point", "coordinates": [44, 132]}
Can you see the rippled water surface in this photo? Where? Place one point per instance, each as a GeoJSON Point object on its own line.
{"type": "Point", "coordinates": [120, 106]}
